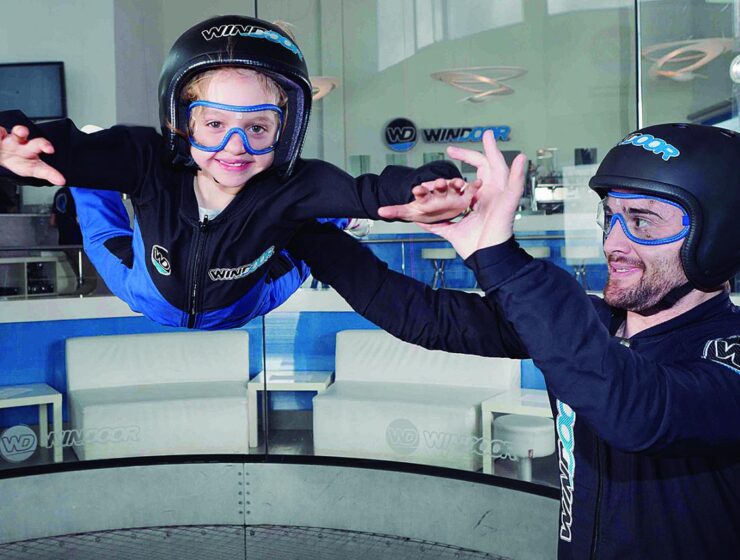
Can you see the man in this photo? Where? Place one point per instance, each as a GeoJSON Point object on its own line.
{"type": "Point", "coordinates": [644, 384]}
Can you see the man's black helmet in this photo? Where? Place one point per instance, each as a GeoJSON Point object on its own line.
{"type": "Point", "coordinates": [235, 41]}
{"type": "Point", "coordinates": [698, 167]}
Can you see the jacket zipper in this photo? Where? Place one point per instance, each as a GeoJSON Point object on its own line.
{"type": "Point", "coordinates": [597, 514]}
{"type": "Point", "coordinates": [200, 234]}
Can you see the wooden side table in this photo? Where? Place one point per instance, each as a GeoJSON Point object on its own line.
{"type": "Point", "coordinates": [316, 381]}
{"type": "Point", "coordinates": [42, 395]}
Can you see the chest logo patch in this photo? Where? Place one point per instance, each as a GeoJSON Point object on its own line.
{"type": "Point", "coordinates": [160, 260]}
{"type": "Point", "coordinates": [725, 351]}
{"type": "Point", "coordinates": [217, 274]}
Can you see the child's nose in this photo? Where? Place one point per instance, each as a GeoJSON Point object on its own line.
{"type": "Point", "coordinates": [235, 145]}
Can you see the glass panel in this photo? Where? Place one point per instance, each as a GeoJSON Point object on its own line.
{"type": "Point", "coordinates": [554, 79]}
{"type": "Point", "coordinates": [396, 81]}
{"type": "Point", "coordinates": [688, 50]}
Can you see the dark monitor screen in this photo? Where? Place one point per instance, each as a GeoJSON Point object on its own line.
{"type": "Point", "coordinates": [36, 88]}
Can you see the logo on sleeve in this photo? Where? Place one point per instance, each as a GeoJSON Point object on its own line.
{"type": "Point", "coordinates": [725, 351]}
{"type": "Point", "coordinates": [565, 424]}
{"type": "Point", "coordinates": [160, 260]}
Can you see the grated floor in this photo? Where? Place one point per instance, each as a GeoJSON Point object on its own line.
{"type": "Point", "coordinates": [229, 542]}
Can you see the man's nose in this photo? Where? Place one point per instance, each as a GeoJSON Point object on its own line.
{"type": "Point", "coordinates": [617, 239]}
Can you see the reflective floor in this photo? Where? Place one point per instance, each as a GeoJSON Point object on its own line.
{"type": "Point", "coordinates": [300, 442]}
{"type": "Point", "coordinates": [227, 542]}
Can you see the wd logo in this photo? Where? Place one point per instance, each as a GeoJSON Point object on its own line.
{"type": "Point", "coordinates": [18, 443]}
{"type": "Point", "coordinates": [651, 144]}
{"type": "Point", "coordinates": [160, 261]}
{"type": "Point", "coordinates": [400, 135]}
{"type": "Point", "coordinates": [402, 436]}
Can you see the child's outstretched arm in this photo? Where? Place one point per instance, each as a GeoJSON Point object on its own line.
{"type": "Point", "coordinates": [21, 156]}
{"type": "Point", "coordinates": [435, 201]}
{"type": "Point", "coordinates": [320, 189]}
{"type": "Point", "coordinates": [57, 153]}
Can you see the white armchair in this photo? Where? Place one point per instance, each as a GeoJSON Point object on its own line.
{"type": "Point", "coordinates": [397, 401]}
{"type": "Point", "coordinates": [158, 394]}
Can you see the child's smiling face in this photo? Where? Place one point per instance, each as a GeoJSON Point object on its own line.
{"type": "Point", "coordinates": [233, 166]}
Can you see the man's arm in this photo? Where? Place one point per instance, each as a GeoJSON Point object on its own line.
{"type": "Point", "coordinates": [634, 402]}
{"type": "Point", "coordinates": [114, 159]}
{"type": "Point", "coordinates": [408, 309]}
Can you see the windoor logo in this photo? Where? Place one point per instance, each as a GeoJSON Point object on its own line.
{"type": "Point", "coordinates": [233, 29]}
{"type": "Point", "coordinates": [18, 443]}
{"type": "Point", "coordinates": [217, 274]}
{"type": "Point", "coordinates": [657, 146]}
{"type": "Point", "coordinates": [566, 443]}
{"type": "Point", "coordinates": [400, 135]}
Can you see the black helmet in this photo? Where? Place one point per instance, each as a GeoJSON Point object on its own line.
{"type": "Point", "coordinates": [235, 41]}
{"type": "Point", "coordinates": [697, 167]}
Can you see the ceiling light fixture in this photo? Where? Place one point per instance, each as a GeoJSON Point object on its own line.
{"type": "Point", "coordinates": [482, 81]}
{"type": "Point", "coordinates": [321, 86]}
{"type": "Point", "coordinates": [694, 53]}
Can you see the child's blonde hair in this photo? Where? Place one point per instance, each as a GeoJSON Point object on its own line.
{"type": "Point", "coordinates": [195, 89]}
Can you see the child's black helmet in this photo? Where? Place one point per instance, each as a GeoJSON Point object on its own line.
{"type": "Point", "coordinates": [235, 41]}
{"type": "Point", "coordinates": [697, 167]}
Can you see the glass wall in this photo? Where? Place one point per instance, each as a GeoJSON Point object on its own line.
{"type": "Point", "coordinates": [396, 81]}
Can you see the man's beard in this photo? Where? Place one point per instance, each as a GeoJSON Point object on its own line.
{"type": "Point", "coordinates": [665, 274]}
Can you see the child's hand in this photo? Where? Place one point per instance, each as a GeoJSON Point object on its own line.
{"type": "Point", "coordinates": [22, 156]}
{"type": "Point", "coordinates": [434, 201]}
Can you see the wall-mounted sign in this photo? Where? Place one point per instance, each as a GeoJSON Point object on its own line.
{"type": "Point", "coordinates": [400, 135]}
{"type": "Point", "coordinates": [464, 134]}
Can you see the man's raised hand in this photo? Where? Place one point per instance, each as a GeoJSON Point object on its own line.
{"type": "Point", "coordinates": [495, 204]}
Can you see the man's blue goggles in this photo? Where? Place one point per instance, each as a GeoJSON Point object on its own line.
{"type": "Point", "coordinates": [647, 220]}
{"type": "Point", "coordinates": [212, 127]}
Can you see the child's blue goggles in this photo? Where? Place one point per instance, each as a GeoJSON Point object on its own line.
{"type": "Point", "coordinates": [214, 124]}
{"type": "Point", "coordinates": [647, 220]}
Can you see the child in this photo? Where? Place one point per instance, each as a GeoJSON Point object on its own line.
{"type": "Point", "coordinates": [206, 252]}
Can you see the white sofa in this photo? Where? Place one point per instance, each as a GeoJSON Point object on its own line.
{"type": "Point", "coordinates": [158, 394]}
{"type": "Point", "coordinates": [397, 401]}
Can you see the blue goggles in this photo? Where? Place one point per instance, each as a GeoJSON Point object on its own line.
{"type": "Point", "coordinates": [258, 126]}
{"type": "Point", "coordinates": [647, 220]}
